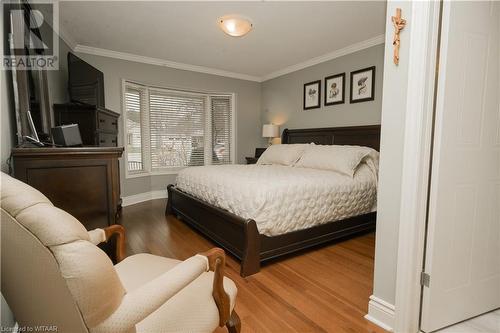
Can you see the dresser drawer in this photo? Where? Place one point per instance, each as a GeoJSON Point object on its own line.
{"type": "Point", "coordinates": [107, 140]}
{"type": "Point", "coordinates": [107, 123]}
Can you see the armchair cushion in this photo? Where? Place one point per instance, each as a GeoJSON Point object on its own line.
{"type": "Point", "coordinates": [17, 196]}
{"type": "Point", "coordinates": [138, 269]}
{"type": "Point", "coordinates": [51, 225]}
{"type": "Point", "coordinates": [91, 278]}
{"type": "Point", "coordinates": [141, 302]}
{"type": "Point", "coordinates": [190, 310]}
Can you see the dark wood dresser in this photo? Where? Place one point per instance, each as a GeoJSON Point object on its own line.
{"type": "Point", "coordinates": [85, 181]}
{"type": "Point", "coordinates": [98, 126]}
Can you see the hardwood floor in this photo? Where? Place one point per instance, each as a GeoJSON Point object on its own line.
{"type": "Point", "coordinates": [321, 290]}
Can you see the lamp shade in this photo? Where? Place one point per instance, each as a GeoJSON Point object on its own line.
{"type": "Point", "coordinates": [270, 131]}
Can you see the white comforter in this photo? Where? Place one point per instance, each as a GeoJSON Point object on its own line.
{"type": "Point", "coordinates": [280, 198]}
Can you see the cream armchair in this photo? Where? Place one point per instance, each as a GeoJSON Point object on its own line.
{"type": "Point", "coordinates": [54, 275]}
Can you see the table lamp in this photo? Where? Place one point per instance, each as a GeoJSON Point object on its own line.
{"type": "Point", "coordinates": [270, 131]}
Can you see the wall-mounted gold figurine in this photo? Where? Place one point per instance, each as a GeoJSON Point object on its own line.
{"type": "Point", "coordinates": [399, 24]}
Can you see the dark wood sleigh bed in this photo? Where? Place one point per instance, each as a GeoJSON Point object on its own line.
{"type": "Point", "coordinates": [241, 238]}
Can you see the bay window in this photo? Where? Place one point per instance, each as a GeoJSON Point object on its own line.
{"type": "Point", "coordinates": [167, 129]}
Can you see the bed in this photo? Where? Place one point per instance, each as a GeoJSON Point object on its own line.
{"type": "Point", "coordinates": [226, 203]}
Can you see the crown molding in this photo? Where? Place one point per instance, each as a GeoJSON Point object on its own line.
{"type": "Point", "coordinates": [162, 62]}
{"type": "Point", "coordinates": [377, 40]}
{"type": "Point", "coordinates": [66, 37]}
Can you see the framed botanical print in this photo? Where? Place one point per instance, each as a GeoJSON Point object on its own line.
{"type": "Point", "coordinates": [312, 95]}
{"type": "Point", "coordinates": [363, 85]}
{"type": "Point", "coordinates": [335, 89]}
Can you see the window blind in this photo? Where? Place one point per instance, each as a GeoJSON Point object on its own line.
{"type": "Point", "coordinates": [170, 129]}
{"type": "Point", "coordinates": [135, 102]}
{"type": "Point", "coordinates": [177, 129]}
{"type": "Point", "coordinates": [221, 128]}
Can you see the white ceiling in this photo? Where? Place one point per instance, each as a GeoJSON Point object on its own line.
{"type": "Point", "coordinates": [285, 33]}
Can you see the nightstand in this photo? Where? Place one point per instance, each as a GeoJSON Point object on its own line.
{"type": "Point", "coordinates": [251, 160]}
{"type": "Point", "coordinates": [258, 152]}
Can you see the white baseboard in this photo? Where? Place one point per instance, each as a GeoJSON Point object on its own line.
{"type": "Point", "coordinates": [381, 313]}
{"type": "Point", "coordinates": [141, 197]}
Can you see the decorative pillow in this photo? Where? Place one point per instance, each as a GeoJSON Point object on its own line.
{"type": "Point", "coordinates": [282, 154]}
{"type": "Point", "coordinates": [342, 159]}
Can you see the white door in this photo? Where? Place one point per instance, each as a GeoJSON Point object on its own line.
{"type": "Point", "coordinates": [463, 240]}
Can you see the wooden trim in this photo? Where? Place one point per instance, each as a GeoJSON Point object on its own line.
{"type": "Point", "coordinates": [121, 240]}
{"type": "Point", "coordinates": [75, 152]}
{"type": "Point", "coordinates": [381, 313]}
{"type": "Point", "coordinates": [234, 323]}
{"type": "Point", "coordinates": [416, 160]}
{"type": "Point", "coordinates": [368, 136]}
{"type": "Point", "coordinates": [217, 263]}
{"type": "Point", "coordinates": [250, 261]}
{"type": "Point", "coordinates": [141, 197]}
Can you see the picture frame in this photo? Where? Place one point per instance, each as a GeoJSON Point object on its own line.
{"type": "Point", "coordinates": [362, 86]}
{"type": "Point", "coordinates": [334, 89]}
{"type": "Point", "coordinates": [312, 95]}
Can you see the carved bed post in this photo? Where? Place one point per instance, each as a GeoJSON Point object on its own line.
{"type": "Point", "coordinates": [250, 262]}
{"type": "Point", "coordinates": [168, 209]}
{"type": "Point", "coordinates": [284, 136]}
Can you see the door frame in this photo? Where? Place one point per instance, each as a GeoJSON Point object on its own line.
{"type": "Point", "coordinates": [425, 24]}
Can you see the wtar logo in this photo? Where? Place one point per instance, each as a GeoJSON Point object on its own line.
{"type": "Point", "coordinates": [33, 35]}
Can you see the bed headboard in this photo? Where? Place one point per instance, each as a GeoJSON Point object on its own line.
{"type": "Point", "coordinates": [368, 136]}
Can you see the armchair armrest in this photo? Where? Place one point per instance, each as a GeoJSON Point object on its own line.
{"type": "Point", "coordinates": [216, 263]}
{"type": "Point", "coordinates": [99, 235]}
{"type": "Point", "coordinates": [143, 301]}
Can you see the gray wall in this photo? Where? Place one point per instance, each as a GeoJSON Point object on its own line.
{"type": "Point", "coordinates": [248, 98]}
{"type": "Point", "coordinates": [282, 99]}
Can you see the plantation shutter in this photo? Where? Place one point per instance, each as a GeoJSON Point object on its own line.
{"type": "Point", "coordinates": [135, 108]}
{"type": "Point", "coordinates": [221, 119]}
{"type": "Point", "coordinates": [177, 124]}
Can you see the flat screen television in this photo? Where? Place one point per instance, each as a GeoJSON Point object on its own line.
{"type": "Point", "coordinates": [86, 83]}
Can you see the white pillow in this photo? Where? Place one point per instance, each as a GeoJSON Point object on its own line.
{"type": "Point", "coordinates": [282, 154]}
{"type": "Point", "coordinates": [342, 159]}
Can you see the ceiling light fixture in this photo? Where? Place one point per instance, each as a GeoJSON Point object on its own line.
{"type": "Point", "coordinates": [235, 25]}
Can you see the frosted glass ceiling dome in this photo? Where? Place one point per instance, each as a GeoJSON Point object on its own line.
{"type": "Point", "coordinates": [235, 25]}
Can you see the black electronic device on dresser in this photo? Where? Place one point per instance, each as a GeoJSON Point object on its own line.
{"type": "Point", "coordinates": [98, 125]}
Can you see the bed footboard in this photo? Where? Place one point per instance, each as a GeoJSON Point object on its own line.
{"type": "Point", "coordinates": [242, 239]}
{"type": "Point", "coordinates": [236, 235]}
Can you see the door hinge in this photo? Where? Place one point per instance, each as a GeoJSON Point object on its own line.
{"type": "Point", "coordinates": [425, 279]}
